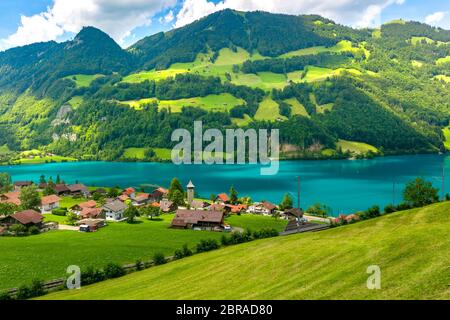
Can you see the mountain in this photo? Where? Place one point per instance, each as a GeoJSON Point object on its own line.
{"type": "Point", "coordinates": [333, 91]}
{"type": "Point", "coordinates": [298, 267]}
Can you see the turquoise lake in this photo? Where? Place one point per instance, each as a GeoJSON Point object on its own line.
{"type": "Point", "coordinates": [346, 186]}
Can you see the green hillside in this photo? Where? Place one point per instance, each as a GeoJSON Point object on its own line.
{"type": "Point", "coordinates": [411, 248]}
{"type": "Point", "coordinates": [230, 69]}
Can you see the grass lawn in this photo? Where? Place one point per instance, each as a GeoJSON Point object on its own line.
{"type": "Point", "coordinates": [38, 157]}
{"type": "Point", "coordinates": [163, 154]}
{"type": "Point", "coordinates": [84, 80]}
{"type": "Point", "coordinates": [297, 107]}
{"type": "Point", "coordinates": [135, 153]}
{"type": "Point", "coordinates": [356, 147]}
{"type": "Point", "coordinates": [325, 107]}
{"type": "Point", "coordinates": [68, 202]}
{"type": "Point", "coordinates": [255, 222]}
{"type": "Point", "coordinates": [221, 102]}
{"type": "Point", "coordinates": [447, 137]}
{"type": "Point", "coordinates": [416, 63]}
{"type": "Point", "coordinates": [443, 60]}
{"type": "Point", "coordinates": [54, 218]}
{"type": "Point", "coordinates": [320, 74]}
{"type": "Point", "coordinates": [153, 75]}
{"type": "Point", "coordinates": [442, 77]}
{"type": "Point", "coordinates": [48, 255]}
{"type": "Point", "coordinates": [268, 110]}
{"type": "Point", "coordinates": [341, 46]}
{"type": "Point", "coordinates": [411, 249]}
{"type": "Point", "coordinates": [417, 40]}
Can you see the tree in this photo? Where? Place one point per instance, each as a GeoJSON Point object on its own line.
{"type": "Point", "coordinates": [50, 182]}
{"type": "Point", "coordinates": [175, 186]}
{"type": "Point", "coordinates": [7, 209]}
{"type": "Point", "coordinates": [319, 210]}
{"type": "Point", "coordinates": [113, 192]}
{"type": "Point", "coordinates": [420, 193]}
{"type": "Point", "coordinates": [178, 198]}
{"type": "Point", "coordinates": [58, 179]}
{"type": "Point", "coordinates": [287, 202]}
{"type": "Point", "coordinates": [130, 213]}
{"type": "Point", "coordinates": [49, 190]}
{"type": "Point", "coordinates": [71, 218]}
{"type": "Point", "coordinates": [29, 196]}
{"type": "Point", "coordinates": [5, 182]}
{"type": "Point", "coordinates": [233, 195]}
{"type": "Point", "coordinates": [150, 212]}
{"type": "Point", "coordinates": [42, 179]}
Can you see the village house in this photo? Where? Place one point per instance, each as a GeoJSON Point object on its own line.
{"type": "Point", "coordinates": [141, 199]}
{"type": "Point", "coordinates": [61, 189]}
{"type": "Point", "coordinates": [11, 197]}
{"type": "Point", "coordinates": [292, 214]}
{"type": "Point", "coordinates": [123, 197]}
{"type": "Point", "coordinates": [84, 205]}
{"type": "Point", "coordinates": [130, 192]}
{"type": "Point", "coordinates": [114, 210]}
{"type": "Point", "coordinates": [27, 218]}
{"type": "Point", "coordinates": [264, 208]}
{"type": "Point", "coordinates": [91, 225]}
{"type": "Point", "coordinates": [167, 206]}
{"type": "Point", "coordinates": [49, 203]}
{"type": "Point", "coordinates": [159, 194]}
{"type": "Point", "coordinates": [79, 190]}
{"type": "Point", "coordinates": [92, 213]}
{"type": "Point", "coordinates": [18, 185]}
{"type": "Point", "coordinates": [222, 198]}
{"type": "Point", "coordinates": [236, 208]}
{"type": "Point", "coordinates": [198, 220]}
{"type": "Point", "coordinates": [199, 205]}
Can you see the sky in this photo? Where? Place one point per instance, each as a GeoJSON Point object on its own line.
{"type": "Point", "coordinates": [24, 22]}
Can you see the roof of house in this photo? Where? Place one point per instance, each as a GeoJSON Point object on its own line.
{"type": "Point", "coordinates": [115, 206]}
{"type": "Point", "coordinates": [91, 212]}
{"type": "Point", "coordinates": [28, 216]}
{"type": "Point", "coordinates": [23, 183]}
{"type": "Point", "coordinates": [236, 208]}
{"type": "Point", "coordinates": [294, 212]}
{"type": "Point", "coordinates": [87, 204]}
{"type": "Point", "coordinates": [123, 197]}
{"type": "Point", "coordinates": [129, 191]}
{"type": "Point", "coordinates": [155, 204]}
{"type": "Point", "coordinates": [223, 197]}
{"type": "Point", "coordinates": [61, 188]}
{"type": "Point", "coordinates": [77, 187]}
{"type": "Point", "coordinates": [269, 206]}
{"type": "Point", "coordinates": [199, 204]}
{"type": "Point", "coordinates": [91, 222]}
{"type": "Point", "coordinates": [217, 207]}
{"type": "Point", "coordinates": [166, 205]}
{"type": "Point", "coordinates": [184, 217]}
{"type": "Point", "coordinates": [142, 197]}
{"type": "Point", "coordinates": [50, 199]}
{"type": "Point", "coordinates": [12, 197]}
{"type": "Point", "coordinates": [162, 190]}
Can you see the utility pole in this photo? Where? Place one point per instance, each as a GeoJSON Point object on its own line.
{"type": "Point", "coordinates": [443, 181]}
{"type": "Point", "coordinates": [298, 193]}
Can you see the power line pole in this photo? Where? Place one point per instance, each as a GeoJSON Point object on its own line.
{"type": "Point", "coordinates": [443, 181]}
{"type": "Point", "coordinates": [298, 193]}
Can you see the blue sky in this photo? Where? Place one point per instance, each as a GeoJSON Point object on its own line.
{"type": "Point", "coordinates": [27, 21]}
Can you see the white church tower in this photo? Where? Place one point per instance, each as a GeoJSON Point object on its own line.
{"type": "Point", "coordinates": [190, 193]}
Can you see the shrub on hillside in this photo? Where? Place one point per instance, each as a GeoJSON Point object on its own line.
{"type": "Point", "coordinates": [183, 252]}
{"type": "Point", "coordinates": [34, 230]}
{"type": "Point", "coordinates": [159, 259]}
{"type": "Point", "coordinates": [403, 206]}
{"type": "Point", "coordinates": [27, 292]}
{"type": "Point", "coordinates": [62, 212]}
{"type": "Point", "coordinates": [265, 233]}
{"type": "Point", "coordinates": [5, 296]}
{"type": "Point", "coordinates": [390, 208]}
{"type": "Point", "coordinates": [92, 275]}
{"type": "Point", "coordinates": [113, 270]}
{"type": "Point", "coordinates": [207, 245]}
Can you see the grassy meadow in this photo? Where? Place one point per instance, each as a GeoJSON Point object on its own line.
{"type": "Point", "coordinates": [46, 256]}
{"type": "Point", "coordinates": [446, 132]}
{"type": "Point", "coordinates": [268, 110]}
{"type": "Point", "coordinates": [410, 247]}
{"type": "Point", "coordinates": [83, 80]}
{"type": "Point", "coordinates": [356, 147]}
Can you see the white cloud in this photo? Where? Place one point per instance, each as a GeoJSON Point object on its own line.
{"type": "Point", "coordinates": [168, 18]}
{"type": "Point", "coordinates": [116, 17]}
{"type": "Point", "coordinates": [359, 13]}
{"type": "Point", "coordinates": [436, 17]}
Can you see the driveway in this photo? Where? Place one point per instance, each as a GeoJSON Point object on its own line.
{"type": "Point", "coordinates": [68, 228]}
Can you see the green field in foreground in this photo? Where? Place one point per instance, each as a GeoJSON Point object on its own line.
{"type": "Point", "coordinates": [213, 102]}
{"type": "Point", "coordinates": [447, 138]}
{"type": "Point", "coordinates": [356, 147]}
{"type": "Point", "coordinates": [411, 248]}
{"type": "Point", "coordinates": [48, 255]}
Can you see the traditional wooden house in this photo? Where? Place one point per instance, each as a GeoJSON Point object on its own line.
{"type": "Point", "coordinates": [159, 194]}
{"type": "Point", "coordinates": [292, 214]}
{"type": "Point", "coordinates": [92, 213]}
{"type": "Point", "coordinates": [265, 208]}
{"type": "Point", "coordinates": [18, 185]}
{"type": "Point", "coordinates": [130, 192]}
{"type": "Point", "coordinates": [61, 189]}
{"type": "Point", "coordinates": [199, 205]}
{"type": "Point", "coordinates": [79, 190]}
{"type": "Point", "coordinates": [26, 218]}
{"type": "Point", "coordinates": [84, 205]}
{"type": "Point", "coordinates": [49, 203]}
{"type": "Point", "coordinates": [196, 219]}
{"type": "Point", "coordinates": [141, 199]}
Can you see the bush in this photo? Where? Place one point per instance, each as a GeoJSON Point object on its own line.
{"type": "Point", "coordinates": [23, 293]}
{"type": "Point", "coordinates": [159, 259]}
{"type": "Point", "coordinates": [265, 233]}
{"type": "Point", "coordinates": [184, 252]}
{"type": "Point", "coordinates": [225, 241]}
{"type": "Point", "coordinates": [34, 230]}
{"type": "Point", "coordinates": [207, 245]}
{"type": "Point", "coordinates": [403, 206]}
{"type": "Point", "coordinates": [113, 270]}
{"type": "Point", "coordinates": [62, 212]}
{"type": "Point", "coordinates": [390, 208]}
{"type": "Point", "coordinates": [37, 288]}
{"type": "Point", "coordinates": [373, 212]}
{"type": "Point", "coordinates": [18, 229]}
{"type": "Point", "coordinates": [5, 296]}
{"type": "Point", "coordinates": [92, 275]}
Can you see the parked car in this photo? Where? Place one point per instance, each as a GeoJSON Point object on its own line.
{"type": "Point", "coordinates": [227, 228]}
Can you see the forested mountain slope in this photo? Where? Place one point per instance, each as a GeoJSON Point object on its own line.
{"type": "Point", "coordinates": [321, 83]}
